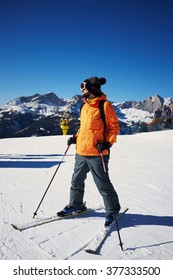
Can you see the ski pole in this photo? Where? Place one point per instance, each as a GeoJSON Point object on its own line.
{"type": "Point", "coordinates": [118, 231]}
{"type": "Point", "coordinates": [103, 162]}
{"type": "Point", "coordinates": [35, 213]}
{"type": "Point", "coordinates": [101, 154]}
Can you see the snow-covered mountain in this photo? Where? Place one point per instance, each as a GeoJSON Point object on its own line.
{"type": "Point", "coordinates": [40, 114]}
{"type": "Point", "coordinates": [146, 111]}
{"type": "Point", "coordinates": [43, 105]}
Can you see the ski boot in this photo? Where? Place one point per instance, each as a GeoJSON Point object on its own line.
{"type": "Point", "coordinates": [69, 210]}
{"type": "Point", "coordinates": [110, 218]}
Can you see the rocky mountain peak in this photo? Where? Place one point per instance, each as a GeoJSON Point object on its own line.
{"type": "Point", "coordinates": [49, 98]}
{"type": "Point", "coordinates": [153, 103]}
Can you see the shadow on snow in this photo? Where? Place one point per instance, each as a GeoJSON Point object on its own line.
{"type": "Point", "coordinates": [29, 161]}
{"type": "Point", "coordinates": [28, 164]}
{"type": "Point", "coordinates": [133, 220]}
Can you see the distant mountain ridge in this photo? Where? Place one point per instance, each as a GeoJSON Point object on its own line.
{"type": "Point", "coordinates": [40, 114]}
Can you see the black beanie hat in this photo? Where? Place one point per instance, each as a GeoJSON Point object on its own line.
{"type": "Point", "coordinates": [94, 85]}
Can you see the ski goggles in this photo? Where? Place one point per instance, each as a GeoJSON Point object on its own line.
{"type": "Point", "coordinates": [83, 86]}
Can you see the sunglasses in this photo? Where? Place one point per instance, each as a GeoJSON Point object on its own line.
{"type": "Point", "coordinates": [83, 86]}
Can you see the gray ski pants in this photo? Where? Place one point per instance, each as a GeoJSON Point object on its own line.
{"type": "Point", "coordinates": [84, 164]}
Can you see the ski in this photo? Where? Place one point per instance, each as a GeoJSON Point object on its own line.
{"type": "Point", "coordinates": [43, 221]}
{"type": "Point", "coordinates": [97, 241]}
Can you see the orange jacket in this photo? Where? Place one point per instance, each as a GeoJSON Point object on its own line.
{"type": "Point", "coordinates": [92, 128]}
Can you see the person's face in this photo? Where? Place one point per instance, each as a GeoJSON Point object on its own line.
{"type": "Point", "coordinates": [87, 94]}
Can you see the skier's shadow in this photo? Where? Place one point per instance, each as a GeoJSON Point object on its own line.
{"type": "Point", "coordinates": [133, 220]}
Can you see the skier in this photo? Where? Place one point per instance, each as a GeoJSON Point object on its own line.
{"type": "Point", "coordinates": [93, 142]}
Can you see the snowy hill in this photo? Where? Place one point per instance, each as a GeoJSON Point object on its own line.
{"type": "Point", "coordinates": [39, 115]}
{"type": "Point", "coordinates": [135, 115]}
{"type": "Point", "coordinates": [141, 171]}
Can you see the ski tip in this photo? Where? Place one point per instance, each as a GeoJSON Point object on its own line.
{"type": "Point", "coordinates": [15, 227]}
{"type": "Point", "coordinates": [90, 251]}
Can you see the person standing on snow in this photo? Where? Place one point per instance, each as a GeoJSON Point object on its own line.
{"type": "Point", "coordinates": [92, 145]}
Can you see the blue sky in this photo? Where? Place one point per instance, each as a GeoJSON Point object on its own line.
{"type": "Point", "coordinates": [53, 45]}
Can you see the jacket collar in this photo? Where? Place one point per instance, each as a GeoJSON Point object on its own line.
{"type": "Point", "coordinates": [95, 101]}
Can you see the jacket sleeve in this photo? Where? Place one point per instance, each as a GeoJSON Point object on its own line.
{"type": "Point", "coordinates": [111, 123]}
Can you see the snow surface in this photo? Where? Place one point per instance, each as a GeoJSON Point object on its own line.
{"type": "Point", "coordinates": [141, 169]}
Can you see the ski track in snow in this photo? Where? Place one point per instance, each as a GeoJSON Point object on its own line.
{"type": "Point", "coordinates": [141, 171]}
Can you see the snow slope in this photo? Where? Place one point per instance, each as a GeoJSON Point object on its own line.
{"type": "Point", "coordinates": [141, 169]}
